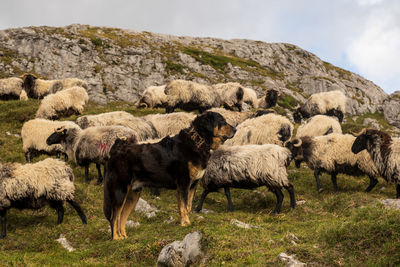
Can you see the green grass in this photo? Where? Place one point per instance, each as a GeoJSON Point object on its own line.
{"type": "Point", "coordinates": [350, 228]}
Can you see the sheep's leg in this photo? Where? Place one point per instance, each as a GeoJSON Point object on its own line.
{"type": "Point", "coordinates": [279, 200]}
{"type": "Point", "coordinates": [316, 173]}
{"type": "Point", "coordinates": [182, 196]}
{"type": "Point", "coordinates": [28, 156]}
{"type": "Point", "coordinates": [334, 181]}
{"type": "Point", "coordinates": [3, 223]}
{"type": "Point", "coordinates": [131, 200]}
{"type": "Point", "coordinates": [397, 190]}
{"type": "Point", "coordinates": [87, 173]}
{"type": "Point", "coordinates": [79, 210]}
{"type": "Point", "coordinates": [58, 155]}
{"type": "Point", "coordinates": [228, 197]}
{"type": "Point", "coordinates": [65, 157]}
{"type": "Point", "coordinates": [192, 190]}
{"type": "Point", "coordinates": [169, 109]}
{"type": "Point", "coordinates": [99, 178]}
{"type": "Point", "coordinates": [290, 189]}
{"type": "Point", "coordinates": [372, 183]}
{"type": "Point", "coordinates": [202, 198]}
{"type": "Point", "coordinates": [60, 212]}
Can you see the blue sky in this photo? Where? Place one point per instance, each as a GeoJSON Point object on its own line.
{"type": "Point", "coordinates": [362, 36]}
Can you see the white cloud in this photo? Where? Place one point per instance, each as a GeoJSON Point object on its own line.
{"type": "Point", "coordinates": [375, 53]}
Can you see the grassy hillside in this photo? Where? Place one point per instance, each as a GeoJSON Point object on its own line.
{"type": "Point", "coordinates": [348, 228]}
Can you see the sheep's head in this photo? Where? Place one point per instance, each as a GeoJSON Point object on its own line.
{"type": "Point", "coordinates": [297, 116]}
{"type": "Point", "coordinates": [145, 102]}
{"type": "Point", "coordinates": [29, 83]}
{"type": "Point", "coordinates": [300, 149]}
{"type": "Point", "coordinates": [367, 138]}
{"type": "Point", "coordinates": [57, 137]}
{"type": "Point", "coordinates": [271, 97]}
{"type": "Point", "coordinates": [336, 113]}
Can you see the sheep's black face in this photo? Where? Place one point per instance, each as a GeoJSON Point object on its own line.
{"type": "Point", "coordinates": [297, 116]}
{"type": "Point", "coordinates": [57, 137]}
{"type": "Point", "coordinates": [359, 144]}
{"type": "Point", "coordinates": [213, 128]}
{"type": "Point", "coordinates": [271, 98]}
{"type": "Point", "coordinates": [28, 84]}
{"type": "Point", "coordinates": [336, 113]}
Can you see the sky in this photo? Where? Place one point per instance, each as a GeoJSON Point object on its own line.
{"type": "Point", "coordinates": [362, 36]}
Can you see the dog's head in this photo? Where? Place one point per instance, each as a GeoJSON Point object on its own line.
{"type": "Point", "coordinates": [213, 128]}
{"type": "Point", "coordinates": [57, 137]}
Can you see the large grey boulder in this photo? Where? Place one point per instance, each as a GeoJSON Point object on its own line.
{"type": "Point", "coordinates": [181, 253]}
{"type": "Point", "coordinates": [391, 109]}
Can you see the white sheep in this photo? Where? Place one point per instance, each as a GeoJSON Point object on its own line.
{"type": "Point", "coordinates": [64, 103]}
{"type": "Point", "coordinates": [246, 167]}
{"type": "Point", "coordinates": [266, 129]}
{"type": "Point", "coordinates": [153, 97]}
{"type": "Point", "coordinates": [234, 118]}
{"type": "Point", "coordinates": [39, 88]}
{"type": "Point", "coordinates": [332, 154]}
{"type": "Point", "coordinates": [31, 186]}
{"type": "Point", "coordinates": [143, 129]}
{"type": "Point", "coordinates": [169, 124]}
{"type": "Point", "coordinates": [332, 103]}
{"type": "Point", "coordinates": [319, 125]}
{"type": "Point", "coordinates": [231, 95]}
{"type": "Point", "coordinates": [10, 88]}
{"type": "Point", "coordinates": [34, 134]}
{"type": "Point", "coordinates": [188, 96]}
{"type": "Point", "coordinates": [89, 145]}
{"type": "Point", "coordinates": [384, 151]}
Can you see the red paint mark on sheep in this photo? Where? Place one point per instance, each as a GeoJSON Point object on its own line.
{"type": "Point", "coordinates": [103, 147]}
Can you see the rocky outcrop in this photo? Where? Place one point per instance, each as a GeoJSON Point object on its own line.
{"type": "Point", "coordinates": [391, 109]}
{"type": "Point", "coordinates": [119, 64]}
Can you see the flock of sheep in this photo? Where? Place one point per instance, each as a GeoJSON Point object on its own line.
{"type": "Point", "coordinates": [258, 154]}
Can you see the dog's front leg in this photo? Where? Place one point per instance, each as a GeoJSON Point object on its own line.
{"type": "Point", "coordinates": [182, 206]}
{"type": "Point", "coordinates": [192, 190]}
{"type": "Point", "coordinates": [131, 199]}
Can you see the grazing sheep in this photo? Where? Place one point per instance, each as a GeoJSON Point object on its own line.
{"type": "Point", "coordinates": [34, 134]}
{"type": "Point", "coordinates": [384, 151]}
{"type": "Point", "coordinates": [32, 186]}
{"type": "Point", "coordinates": [169, 124]}
{"type": "Point", "coordinates": [246, 167]}
{"type": "Point", "coordinates": [153, 97]}
{"type": "Point", "coordinates": [234, 118]}
{"type": "Point", "coordinates": [143, 129]}
{"type": "Point", "coordinates": [332, 103]}
{"type": "Point", "coordinates": [319, 125]}
{"type": "Point", "coordinates": [266, 129]}
{"type": "Point", "coordinates": [64, 103]}
{"type": "Point", "coordinates": [10, 88]}
{"type": "Point", "coordinates": [38, 88]}
{"type": "Point", "coordinates": [332, 154]}
{"type": "Point", "coordinates": [231, 95]}
{"type": "Point", "coordinates": [102, 119]}
{"type": "Point", "coordinates": [189, 96]}
{"type": "Point", "coordinates": [89, 145]}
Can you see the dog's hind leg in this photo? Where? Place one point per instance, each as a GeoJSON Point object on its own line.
{"type": "Point", "coordinates": [130, 202]}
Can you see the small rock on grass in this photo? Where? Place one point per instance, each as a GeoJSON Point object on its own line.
{"type": "Point", "coordinates": [242, 224]}
{"type": "Point", "coordinates": [144, 207]}
{"type": "Point", "coordinates": [290, 260]}
{"type": "Point", "coordinates": [182, 253]}
{"type": "Point", "coordinates": [64, 242]}
{"type": "Point", "coordinates": [391, 203]}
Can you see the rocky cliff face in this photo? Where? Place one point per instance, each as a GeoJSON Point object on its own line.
{"type": "Point", "coordinates": [120, 64]}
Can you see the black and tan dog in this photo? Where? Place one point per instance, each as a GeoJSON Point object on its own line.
{"type": "Point", "coordinates": [175, 163]}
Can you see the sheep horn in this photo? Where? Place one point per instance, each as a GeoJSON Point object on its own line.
{"type": "Point", "coordinates": [297, 143]}
{"type": "Point", "coordinates": [360, 133]}
{"type": "Point", "coordinates": [59, 130]}
{"type": "Point", "coordinates": [279, 93]}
